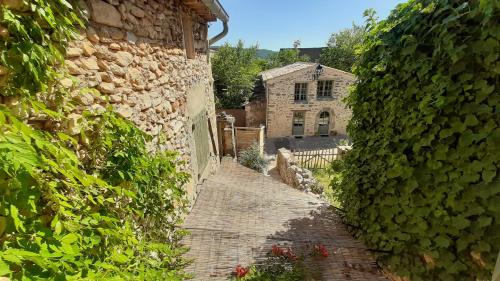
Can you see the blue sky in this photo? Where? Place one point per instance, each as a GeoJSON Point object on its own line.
{"type": "Point", "coordinates": [275, 24]}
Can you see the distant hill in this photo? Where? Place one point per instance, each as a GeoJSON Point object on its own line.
{"type": "Point", "coordinates": [264, 53]}
{"type": "Point", "coordinates": [261, 53]}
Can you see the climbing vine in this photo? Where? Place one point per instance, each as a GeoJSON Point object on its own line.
{"type": "Point", "coordinates": [422, 183]}
{"type": "Point", "coordinates": [95, 206]}
{"type": "Point", "coordinates": [33, 36]}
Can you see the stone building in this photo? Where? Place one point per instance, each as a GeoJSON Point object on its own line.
{"type": "Point", "coordinates": [149, 59]}
{"type": "Point", "coordinates": [296, 101]}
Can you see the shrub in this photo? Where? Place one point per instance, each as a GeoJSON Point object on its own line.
{"type": "Point", "coordinates": [59, 221]}
{"type": "Point", "coordinates": [97, 206]}
{"type": "Point", "coordinates": [252, 158]}
{"type": "Point", "coordinates": [422, 182]}
{"type": "Point", "coordinates": [118, 154]}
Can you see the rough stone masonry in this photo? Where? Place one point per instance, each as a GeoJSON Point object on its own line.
{"type": "Point", "coordinates": [133, 53]}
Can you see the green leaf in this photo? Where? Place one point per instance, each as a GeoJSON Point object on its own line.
{"type": "Point", "coordinates": [14, 214]}
{"type": "Point", "coordinates": [4, 268]}
{"type": "Point", "coordinates": [69, 238]}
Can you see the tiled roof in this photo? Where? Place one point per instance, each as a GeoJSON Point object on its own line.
{"type": "Point", "coordinates": [275, 72]}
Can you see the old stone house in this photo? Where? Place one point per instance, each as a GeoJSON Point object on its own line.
{"type": "Point", "coordinates": [301, 99]}
{"type": "Point", "coordinates": [149, 59]}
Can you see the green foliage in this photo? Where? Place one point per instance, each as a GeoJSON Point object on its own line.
{"type": "Point", "coordinates": [98, 207]}
{"type": "Point", "coordinates": [252, 158]}
{"type": "Point", "coordinates": [235, 71]}
{"type": "Point", "coordinates": [274, 271]}
{"type": "Point", "coordinates": [325, 178]}
{"type": "Point", "coordinates": [340, 52]}
{"type": "Point", "coordinates": [422, 181]}
{"type": "Point", "coordinates": [264, 53]}
{"type": "Point", "coordinates": [37, 33]}
{"type": "Point", "coordinates": [59, 222]}
{"type": "Point", "coordinates": [119, 155]}
{"type": "Point", "coordinates": [285, 57]}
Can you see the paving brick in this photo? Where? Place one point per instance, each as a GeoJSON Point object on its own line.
{"type": "Point", "coordinates": [240, 214]}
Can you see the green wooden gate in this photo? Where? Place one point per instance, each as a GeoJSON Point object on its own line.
{"type": "Point", "coordinates": [200, 133]}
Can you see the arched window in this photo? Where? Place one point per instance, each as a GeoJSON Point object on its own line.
{"type": "Point", "coordinates": [324, 123]}
{"type": "Point", "coordinates": [324, 118]}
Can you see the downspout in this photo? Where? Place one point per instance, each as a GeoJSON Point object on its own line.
{"type": "Point", "coordinates": [219, 12]}
{"type": "Point", "coordinates": [220, 35]}
{"type": "Point", "coordinates": [267, 106]}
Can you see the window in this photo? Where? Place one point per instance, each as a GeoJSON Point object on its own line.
{"type": "Point", "coordinates": [298, 118]}
{"type": "Point", "coordinates": [300, 92]}
{"type": "Point", "coordinates": [325, 89]}
{"type": "Point", "coordinates": [324, 118]}
{"type": "Point", "coordinates": [298, 123]}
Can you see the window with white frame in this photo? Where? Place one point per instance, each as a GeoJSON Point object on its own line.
{"type": "Point", "coordinates": [325, 89]}
{"type": "Point", "coordinates": [300, 92]}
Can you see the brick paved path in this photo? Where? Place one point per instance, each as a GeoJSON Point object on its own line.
{"type": "Point", "coordinates": [240, 214]}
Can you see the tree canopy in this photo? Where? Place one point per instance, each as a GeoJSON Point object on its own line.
{"type": "Point", "coordinates": [340, 51]}
{"type": "Point", "coordinates": [235, 70]}
{"type": "Point", "coordinates": [285, 57]}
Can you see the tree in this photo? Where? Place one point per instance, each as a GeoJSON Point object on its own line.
{"type": "Point", "coordinates": [296, 43]}
{"type": "Point", "coordinates": [285, 57]}
{"type": "Point", "coordinates": [340, 51]}
{"type": "Point", "coordinates": [235, 70]}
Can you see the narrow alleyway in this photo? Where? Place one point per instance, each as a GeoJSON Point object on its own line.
{"type": "Point", "coordinates": [240, 214]}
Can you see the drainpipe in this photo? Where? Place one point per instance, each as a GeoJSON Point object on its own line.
{"type": "Point", "coordinates": [217, 9]}
{"type": "Point", "coordinates": [220, 35]}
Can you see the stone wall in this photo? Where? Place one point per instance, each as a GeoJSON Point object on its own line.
{"type": "Point", "coordinates": [293, 175]}
{"type": "Point", "coordinates": [281, 104]}
{"type": "Point", "coordinates": [256, 113]}
{"type": "Point", "coordinates": [238, 114]}
{"type": "Point", "coordinates": [132, 52]}
{"type": "Point", "coordinates": [246, 137]}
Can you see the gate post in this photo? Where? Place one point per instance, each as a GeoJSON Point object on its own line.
{"type": "Point", "coordinates": [225, 129]}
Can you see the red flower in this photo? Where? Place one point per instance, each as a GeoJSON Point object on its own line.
{"type": "Point", "coordinates": [281, 252]}
{"type": "Point", "coordinates": [290, 255]}
{"type": "Point", "coordinates": [320, 250]}
{"type": "Point", "coordinates": [241, 271]}
{"type": "Point", "coordinates": [277, 251]}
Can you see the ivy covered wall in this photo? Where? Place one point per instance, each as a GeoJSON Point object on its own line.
{"type": "Point", "coordinates": [422, 183]}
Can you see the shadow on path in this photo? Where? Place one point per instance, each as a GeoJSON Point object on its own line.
{"type": "Point", "coordinates": [240, 214]}
{"type": "Point", "coordinates": [348, 259]}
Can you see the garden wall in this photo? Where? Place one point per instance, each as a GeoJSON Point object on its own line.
{"type": "Point", "coordinates": [256, 113]}
{"type": "Point", "coordinates": [238, 114]}
{"type": "Point", "coordinates": [246, 137]}
{"type": "Point", "coordinates": [292, 174]}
